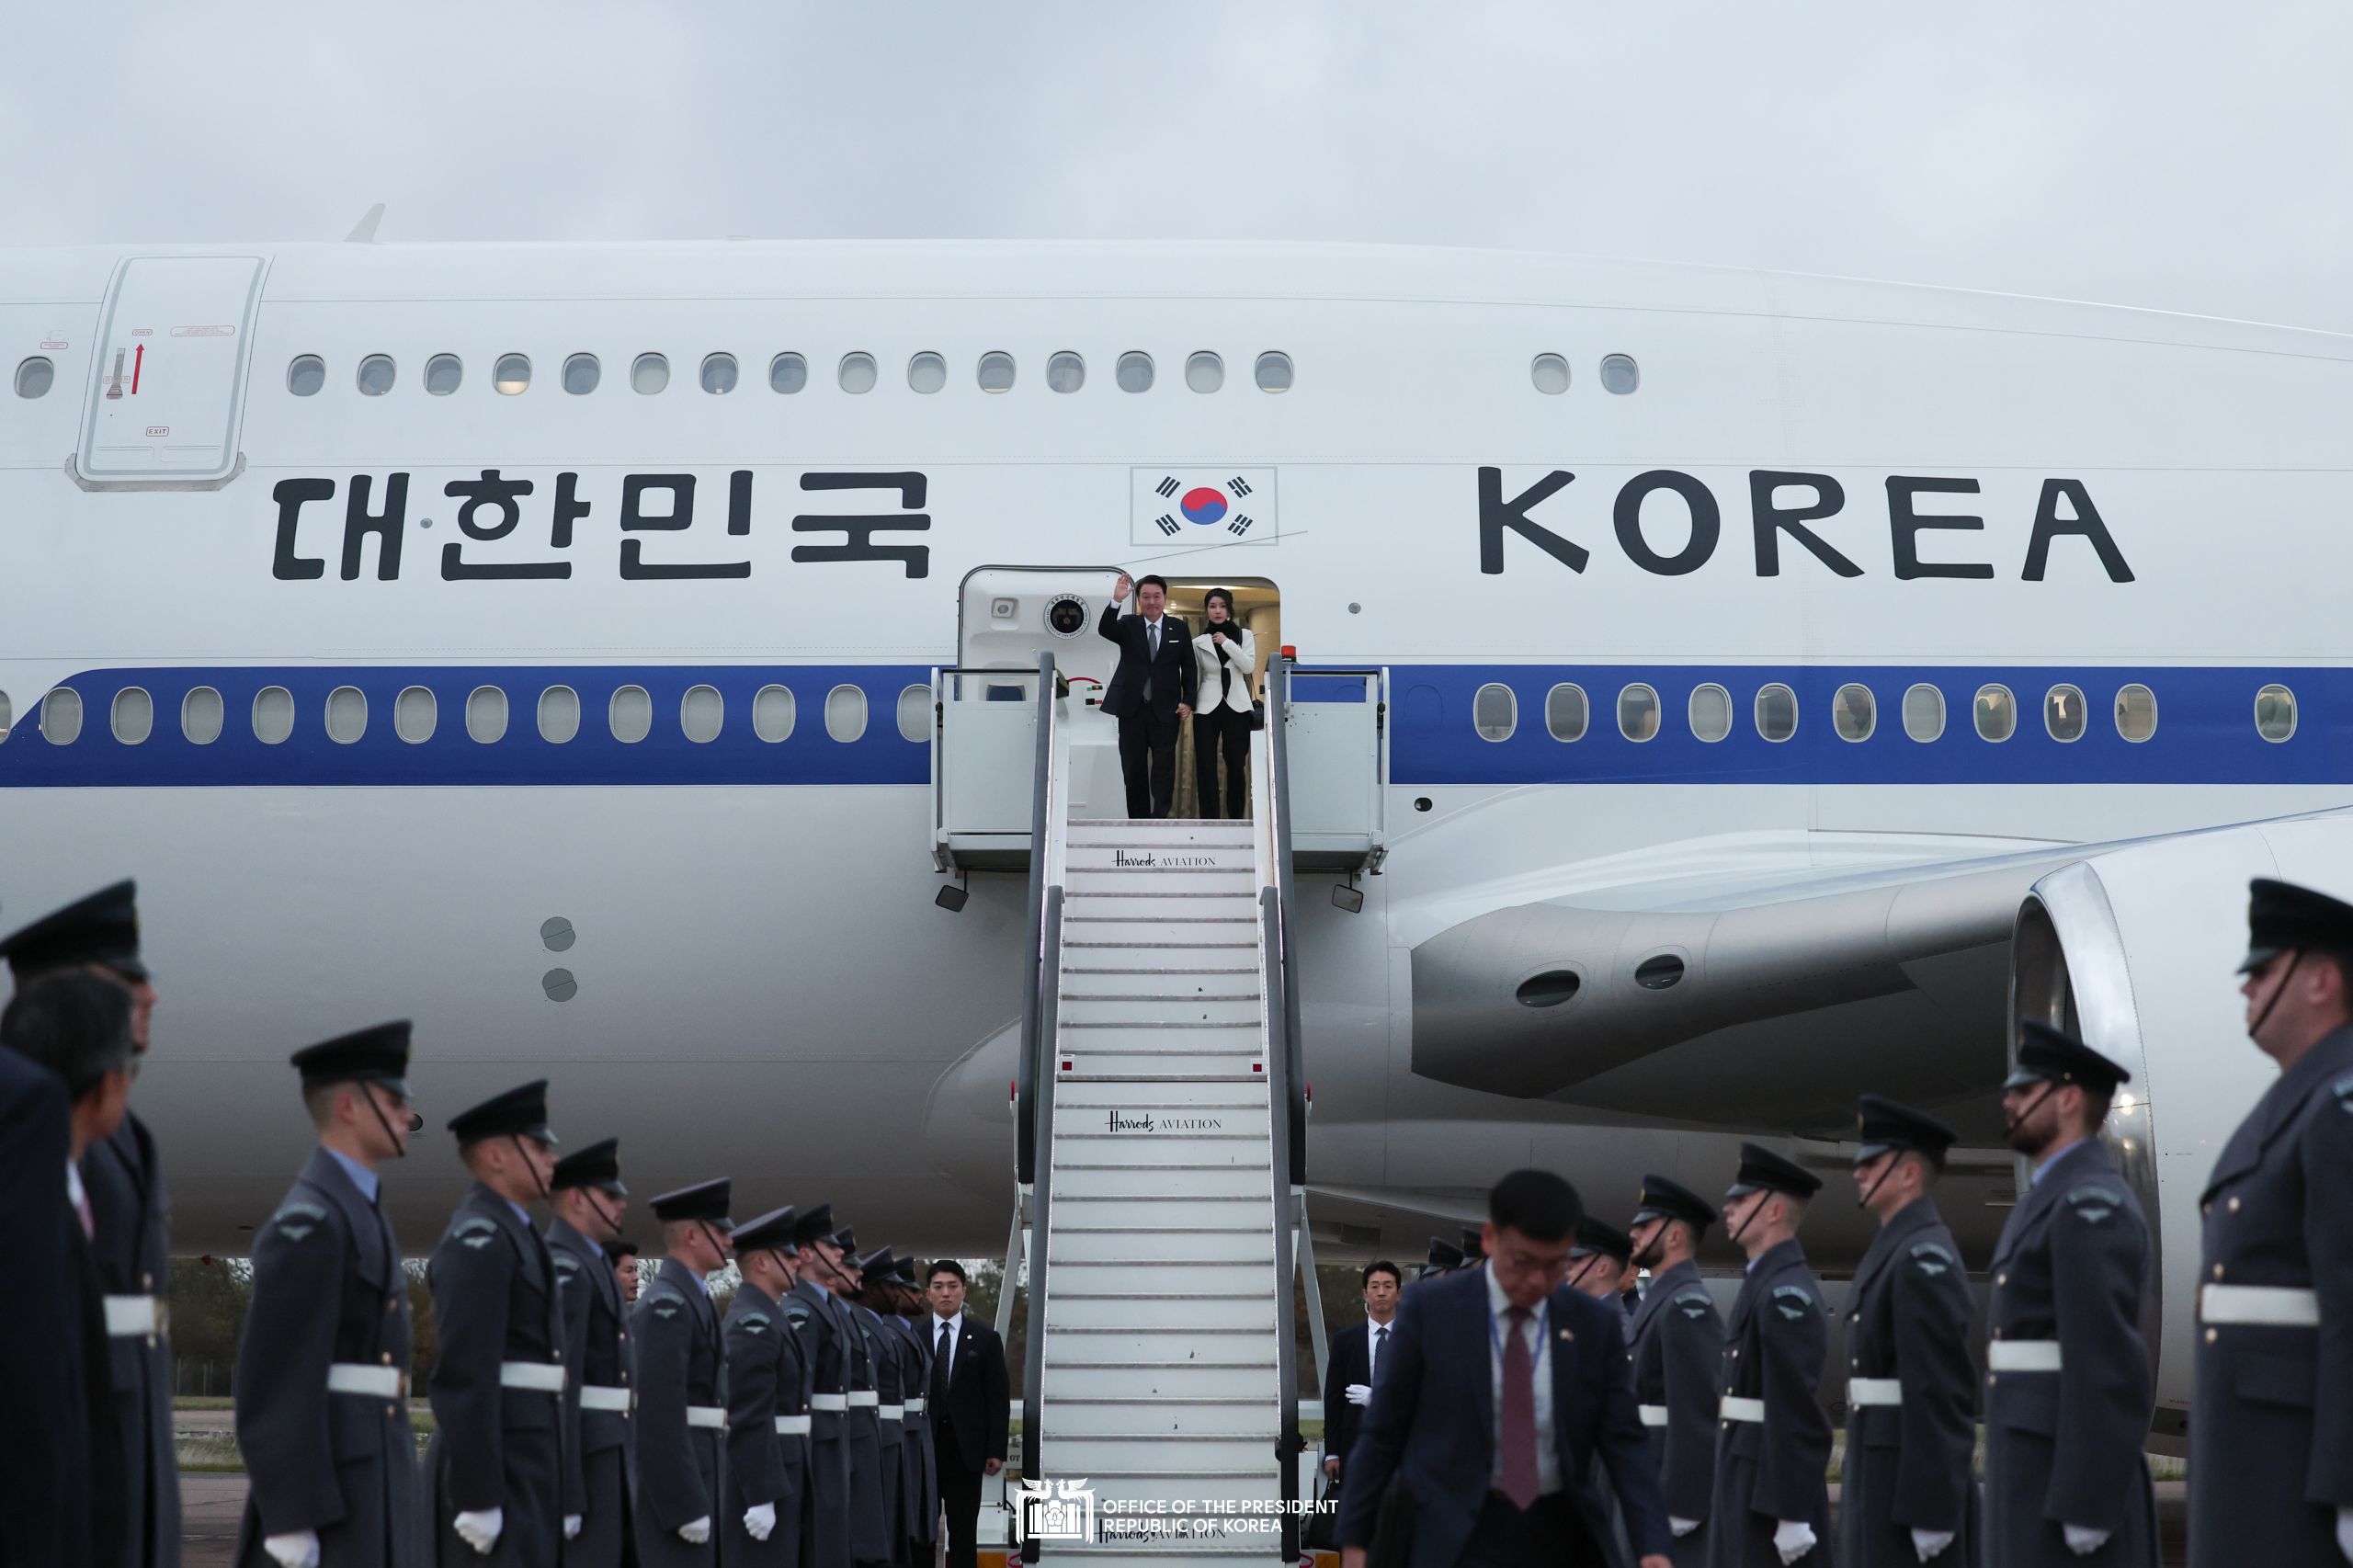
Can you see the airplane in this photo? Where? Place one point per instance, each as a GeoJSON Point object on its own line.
{"type": "Point", "coordinates": [1781, 684]}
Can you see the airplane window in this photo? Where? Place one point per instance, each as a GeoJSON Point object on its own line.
{"type": "Point", "coordinates": [2274, 713]}
{"type": "Point", "coordinates": [846, 712]}
{"type": "Point", "coordinates": [1564, 712]}
{"type": "Point", "coordinates": [719, 374]}
{"type": "Point", "coordinates": [631, 714]}
{"type": "Point", "coordinates": [996, 371]}
{"type": "Point", "coordinates": [1854, 712]}
{"type": "Point", "coordinates": [914, 712]}
{"type": "Point", "coordinates": [1998, 712]}
{"type": "Point", "coordinates": [1273, 373]}
{"type": "Point", "coordinates": [511, 374]}
{"type": "Point", "coordinates": [926, 373]}
{"type": "Point", "coordinates": [442, 374]}
{"type": "Point", "coordinates": [7, 715]}
{"type": "Point", "coordinates": [61, 716]}
{"type": "Point", "coordinates": [1709, 713]}
{"type": "Point", "coordinates": [1066, 373]}
{"type": "Point", "coordinates": [306, 375]}
{"type": "Point", "coordinates": [1620, 374]}
{"type": "Point", "coordinates": [701, 713]}
{"type": "Point", "coordinates": [559, 715]}
{"type": "Point", "coordinates": [1494, 712]}
{"type": "Point", "coordinates": [648, 374]}
{"type": "Point", "coordinates": [2136, 713]}
{"type": "Point", "coordinates": [133, 718]}
{"type": "Point", "coordinates": [347, 714]}
{"type": "Point", "coordinates": [581, 374]}
{"type": "Point", "coordinates": [1204, 372]}
{"type": "Point", "coordinates": [1638, 713]}
{"type": "Point", "coordinates": [202, 716]}
{"type": "Point", "coordinates": [1924, 712]}
{"type": "Point", "coordinates": [273, 715]}
{"type": "Point", "coordinates": [1134, 374]}
{"type": "Point", "coordinates": [415, 714]}
{"type": "Point", "coordinates": [376, 375]}
{"type": "Point", "coordinates": [1551, 374]}
{"type": "Point", "coordinates": [487, 714]}
{"type": "Point", "coordinates": [772, 713]}
{"type": "Point", "coordinates": [1777, 712]}
{"type": "Point", "coordinates": [2063, 713]}
{"type": "Point", "coordinates": [34, 376]}
{"type": "Point", "coordinates": [788, 373]}
{"type": "Point", "coordinates": [857, 373]}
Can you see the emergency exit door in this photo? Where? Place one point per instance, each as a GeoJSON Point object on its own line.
{"type": "Point", "coordinates": [167, 400]}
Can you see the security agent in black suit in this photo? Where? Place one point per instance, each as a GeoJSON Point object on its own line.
{"type": "Point", "coordinates": [2068, 1395]}
{"type": "Point", "coordinates": [1349, 1371]}
{"type": "Point", "coordinates": [124, 1177]}
{"type": "Point", "coordinates": [1911, 1386]}
{"type": "Point", "coordinates": [77, 1027]}
{"type": "Point", "coordinates": [495, 1461]}
{"type": "Point", "coordinates": [599, 1385]}
{"type": "Point", "coordinates": [966, 1404]}
{"type": "Point", "coordinates": [1151, 693]}
{"type": "Point", "coordinates": [322, 1386]}
{"type": "Point", "coordinates": [682, 1389]}
{"type": "Point", "coordinates": [1678, 1340]}
{"type": "Point", "coordinates": [2272, 1442]}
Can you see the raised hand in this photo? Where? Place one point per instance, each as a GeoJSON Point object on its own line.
{"type": "Point", "coordinates": [1120, 589]}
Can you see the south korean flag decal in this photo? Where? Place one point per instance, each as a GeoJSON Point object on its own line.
{"type": "Point", "coordinates": [1199, 505]}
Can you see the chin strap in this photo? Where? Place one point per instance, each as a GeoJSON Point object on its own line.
{"type": "Point", "coordinates": [1734, 1234]}
{"type": "Point", "coordinates": [1896, 1158]}
{"type": "Point", "coordinates": [2010, 1128]}
{"type": "Point", "coordinates": [2276, 992]}
{"type": "Point", "coordinates": [524, 1155]}
{"type": "Point", "coordinates": [612, 1222]}
{"type": "Point", "coordinates": [399, 1145]}
{"type": "Point", "coordinates": [1583, 1267]}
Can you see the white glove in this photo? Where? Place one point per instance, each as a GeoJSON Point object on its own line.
{"type": "Point", "coordinates": [2344, 1532]}
{"type": "Point", "coordinates": [1681, 1526]}
{"type": "Point", "coordinates": [1928, 1543]}
{"type": "Point", "coordinates": [1792, 1539]}
{"type": "Point", "coordinates": [2084, 1542]}
{"type": "Point", "coordinates": [572, 1523]}
{"type": "Point", "coordinates": [1358, 1393]}
{"type": "Point", "coordinates": [695, 1532]}
{"type": "Point", "coordinates": [759, 1520]}
{"type": "Point", "coordinates": [481, 1528]}
{"type": "Point", "coordinates": [296, 1548]}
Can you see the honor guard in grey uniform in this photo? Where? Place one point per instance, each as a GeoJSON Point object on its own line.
{"type": "Point", "coordinates": [1771, 1504]}
{"type": "Point", "coordinates": [2272, 1426]}
{"type": "Point", "coordinates": [768, 1401]}
{"type": "Point", "coordinates": [599, 1390]}
{"type": "Point", "coordinates": [822, 1323]}
{"type": "Point", "coordinates": [1911, 1386]}
{"type": "Point", "coordinates": [322, 1386]}
{"type": "Point", "coordinates": [496, 1458]}
{"type": "Point", "coordinates": [682, 1386]}
{"type": "Point", "coordinates": [124, 1179]}
{"type": "Point", "coordinates": [1676, 1339]}
{"type": "Point", "coordinates": [870, 1526]}
{"type": "Point", "coordinates": [2068, 1387]}
{"type": "Point", "coordinates": [922, 1463]}
{"type": "Point", "coordinates": [890, 1410]}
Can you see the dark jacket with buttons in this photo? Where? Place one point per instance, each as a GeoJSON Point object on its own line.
{"type": "Point", "coordinates": [1678, 1338]}
{"type": "Point", "coordinates": [2271, 1438]}
{"type": "Point", "coordinates": [1908, 1465]}
{"type": "Point", "coordinates": [2065, 1448]}
{"type": "Point", "coordinates": [599, 1449]}
{"type": "Point", "coordinates": [124, 1177]}
{"type": "Point", "coordinates": [818, 1320]}
{"type": "Point", "coordinates": [1776, 1469]}
{"type": "Point", "coordinates": [764, 1381]}
{"type": "Point", "coordinates": [681, 1469]}
{"type": "Point", "coordinates": [327, 1287]}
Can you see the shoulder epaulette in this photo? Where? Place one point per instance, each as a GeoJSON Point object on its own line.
{"type": "Point", "coordinates": [1932, 1258]}
{"type": "Point", "coordinates": [475, 1232]}
{"type": "Point", "coordinates": [2092, 1204]}
{"type": "Point", "coordinates": [754, 1322]}
{"type": "Point", "coordinates": [1784, 1295]}
{"type": "Point", "coordinates": [295, 1221]}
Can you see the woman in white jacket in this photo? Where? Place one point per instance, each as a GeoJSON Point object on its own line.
{"type": "Point", "coordinates": [1228, 656]}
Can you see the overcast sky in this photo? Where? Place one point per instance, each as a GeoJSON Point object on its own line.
{"type": "Point", "coordinates": [2185, 157]}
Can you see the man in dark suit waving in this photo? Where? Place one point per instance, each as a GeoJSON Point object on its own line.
{"type": "Point", "coordinates": [1151, 693]}
{"type": "Point", "coordinates": [1499, 1388]}
{"type": "Point", "coordinates": [966, 1406]}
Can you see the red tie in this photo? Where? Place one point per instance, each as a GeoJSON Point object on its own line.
{"type": "Point", "coordinates": [1519, 1413]}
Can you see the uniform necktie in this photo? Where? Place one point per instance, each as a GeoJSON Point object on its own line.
{"type": "Point", "coordinates": [1519, 1413]}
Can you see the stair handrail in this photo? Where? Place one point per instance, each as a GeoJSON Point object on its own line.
{"type": "Point", "coordinates": [1286, 1103]}
{"type": "Point", "coordinates": [1041, 802]}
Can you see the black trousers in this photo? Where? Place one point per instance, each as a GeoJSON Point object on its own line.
{"type": "Point", "coordinates": [960, 1493]}
{"type": "Point", "coordinates": [1547, 1535]}
{"type": "Point", "coordinates": [1148, 760]}
{"type": "Point", "coordinates": [1221, 730]}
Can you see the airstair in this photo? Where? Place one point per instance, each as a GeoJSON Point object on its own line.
{"type": "Point", "coordinates": [1161, 1153]}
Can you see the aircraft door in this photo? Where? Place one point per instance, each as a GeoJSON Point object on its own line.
{"type": "Point", "coordinates": [167, 399]}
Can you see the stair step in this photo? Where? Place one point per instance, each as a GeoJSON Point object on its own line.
{"type": "Point", "coordinates": [1219, 1354]}
{"type": "Point", "coordinates": [1155, 1076]}
{"type": "Point", "coordinates": [1253, 1314]}
{"type": "Point", "coordinates": [1092, 944]}
{"type": "Point", "coordinates": [1082, 904]}
{"type": "Point", "coordinates": [1221, 853]}
{"type": "Point", "coordinates": [1156, 984]}
{"type": "Point", "coordinates": [1242, 1097]}
{"type": "Point", "coordinates": [1093, 1456]}
{"type": "Point", "coordinates": [1161, 1151]}
{"type": "Point", "coordinates": [1155, 1279]}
